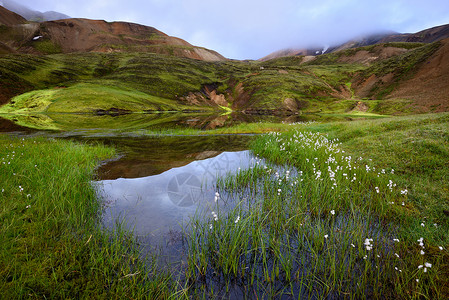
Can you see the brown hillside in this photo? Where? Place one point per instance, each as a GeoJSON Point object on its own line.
{"type": "Point", "coordinates": [367, 57]}
{"type": "Point", "coordinates": [290, 52]}
{"type": "Point", "coordinates": [429, 88]}
{"type": "Point", "coordinates": [84, 35]}
{"type": "Point", "coordinates": [10, 18]}
{"type": "Point", "coordinates": [425, 36]}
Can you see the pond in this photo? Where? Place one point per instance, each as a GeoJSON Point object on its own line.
{"type": "Point", "coordinates": [158, 184]}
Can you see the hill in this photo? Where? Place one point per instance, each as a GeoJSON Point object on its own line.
{"type": "Point", "coordinates": [420, 76]}
{"type": "Point", "coordinates": [84, 35]}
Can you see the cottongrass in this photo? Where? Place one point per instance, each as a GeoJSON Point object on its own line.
{"type": "Point", "coordinates": [308, 221]}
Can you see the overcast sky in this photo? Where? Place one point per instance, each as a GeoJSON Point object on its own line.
{"type": "Point", "coordinates": [251, 29]}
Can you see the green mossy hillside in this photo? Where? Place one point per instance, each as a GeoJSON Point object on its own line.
{"type": "Point", "coordinates": [146, 81]}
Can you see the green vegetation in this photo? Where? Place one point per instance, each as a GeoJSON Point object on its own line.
{"type": "Point", "coordinates": [52, 244]}
{"type": "Point", "coordinates": [46, 47]}
{"type": "Point", "coordinates": [139, 82]}
{"type": "Point", "coordinates": [368, 227]}
{"type": "Point", "coordinates": [87, 97]}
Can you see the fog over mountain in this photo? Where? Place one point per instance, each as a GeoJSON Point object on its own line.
{"type": "Point", "coordinates": [32, 15]}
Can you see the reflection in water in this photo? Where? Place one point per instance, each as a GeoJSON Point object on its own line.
{"type": "Point", "coordinates": [9, 126]}
{"type": "Point", "coordinates": [158, 205]}
{"type": "Point", "coordinates": [153, 155]}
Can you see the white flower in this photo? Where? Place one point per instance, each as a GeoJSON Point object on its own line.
{"type": "Point", "coordinates": [441, 248]}
{"type": "Point", "coordinates": [422, 224]}
{"type": "Point", "coordinates": [333, 212]}
{"type": "Point", "coordinates": [422, 252]}
{"type": "Point", "coordinates": [237, 220]}
{"type": "Point", "coordinates": [28, 206]}
{"type": "Point", "coordinates": [396, 240]}
{"type": "Point", "coordinates": [217, 196]}
{"type": "Point", "coordinates": [397, 255]}
{"type": "Point", "coordinates": [368, 244]}
{"type": "Point", "coordinates": [326, 236]}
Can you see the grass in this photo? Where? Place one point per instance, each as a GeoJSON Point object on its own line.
{"type": "Point", "coordinates": [364, 202]}
{"type": "Point", "coordinates": [87, 97]}
{"type": "Point", "coordinates": [52, 243]}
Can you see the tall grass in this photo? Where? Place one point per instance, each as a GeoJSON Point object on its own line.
{"type": "Point", "coordinates": [52, 243]}
{"type": "Point", "coordinates": [316, 221]}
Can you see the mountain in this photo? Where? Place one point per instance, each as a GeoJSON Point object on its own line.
{"type": "Point", "coordinates": [10, 18]}
{"type": "Point", "coordinates": [84, 35]}
{"type": "Point", "coordinates": [425, 36]}
{"type": "Point", "coordinates": [32, 15]}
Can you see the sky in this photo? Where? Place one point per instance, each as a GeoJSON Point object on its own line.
{"type": "Point", "coordinates": [251, 29]}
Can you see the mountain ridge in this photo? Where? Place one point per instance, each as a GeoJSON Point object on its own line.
{"type": "Point", "coordinates": [429, 35]}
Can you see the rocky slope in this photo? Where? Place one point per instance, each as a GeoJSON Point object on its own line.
{"type": "Point", "coordinates": [84, 35]}
{"type": "Point", "coordinates": [425, 83]}
{"type": "Point", "coordinates": [9, 18]}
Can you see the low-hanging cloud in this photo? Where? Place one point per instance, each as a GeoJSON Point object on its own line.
{"type": "Point", "coordinates": [252, 29]}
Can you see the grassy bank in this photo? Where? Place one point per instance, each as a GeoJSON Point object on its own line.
{"type": "Point", "coordinates": [359, 213]}
{"type": "Point", "coordinates": [52, 246]}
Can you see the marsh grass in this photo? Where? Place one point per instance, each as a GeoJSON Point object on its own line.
{"type": "Point", "coordinates": [52, 243]}
{"type": "Point", "coordinates": [316, 221]}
